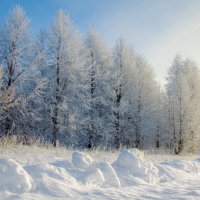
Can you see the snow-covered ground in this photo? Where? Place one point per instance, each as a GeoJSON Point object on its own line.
{"type": "Point", "coordinates": [45, 173]}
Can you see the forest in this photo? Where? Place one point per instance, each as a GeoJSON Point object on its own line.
{"type": "Point", "coordinates": [60, 87]}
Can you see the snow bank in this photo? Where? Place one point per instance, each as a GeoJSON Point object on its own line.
{"type": "Point", "coordinates": [67, 178]}
{"type": "Point", "coordinates": [81, 160]}
{"type": "Point", "coordinates": [52, 180]}
{"type": "Point", "coordinates": [132, 168]}
{"type": "Point", "coordinates": [110, 176]}
{"type": "Point", "coordinates": [93, 177]}
{"type": "Point", "coordinates": [100, 174]}
{"type": "Point", "coordinates": [89, 172]}
{"type": "Point", "coordinates": [85, 178]}
{"type": "Point", "coordinates": [13, 177]}
{"type": "Point", "coordinates": [177, 169]}
{"type": "Point", "coordinates": [186, 166]}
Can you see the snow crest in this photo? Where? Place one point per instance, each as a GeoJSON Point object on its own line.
{"type": "Point", "coordinates": [81, 160]}
{"type": "Point", "coordinates": [110, 176]}
{"type": "Point", "coordinates": [132, 168]}
{"type": "Point", "coordinates": [129, 168]}
{"type": "Point", "coordinates": [66, 177]}
{"type": "Point", "coordinates": [13, 177]}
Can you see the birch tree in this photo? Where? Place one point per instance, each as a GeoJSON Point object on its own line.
{"type": "Point", "coordinates": [66, 56]}
{"type": "Point", "coordinates": [124, 64]}
{"type": "Point", "coordinates": [183, 97]}
{"type": "Point", "coordinates": [99, 62]}
{"type": "Point", "coordinates": [15, 57]}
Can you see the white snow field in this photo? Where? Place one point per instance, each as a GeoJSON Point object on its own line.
{"type": "Point", "coordinates": [45, 173]}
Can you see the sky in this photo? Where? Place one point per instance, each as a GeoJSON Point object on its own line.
{"type": "Point", "coordinates": [157, 29]}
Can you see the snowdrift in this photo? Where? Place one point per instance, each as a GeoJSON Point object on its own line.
{"type": "Point", "coordinates": [65, 178]}
{"type": "Point", "coordinates": [132, 168]}
{"type": "Point", "coordinates": [13, 177]}
{"type": "Point", "coordinates": [90, 172]}
{"type": "Point", "coordinates": [178, 170]}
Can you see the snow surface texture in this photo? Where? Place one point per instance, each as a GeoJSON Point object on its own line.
{"type": "Point", "coordinates": [129, 176]}
{"type": "Point", "coordinates": [13, 177]}
{"type": "Point", "coordinates": [131, 168]}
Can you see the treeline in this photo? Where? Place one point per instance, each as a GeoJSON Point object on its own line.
{"type": "Point", "coordinates": [63, 88]}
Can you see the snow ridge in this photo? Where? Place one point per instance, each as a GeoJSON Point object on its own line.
{"type": "Point", "coordinates": [69, 178]}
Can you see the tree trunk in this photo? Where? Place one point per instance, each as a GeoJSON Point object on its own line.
{"type": "Point", "coordinates": [117, 122]}
{"type": "Point", "coordinates": [92, 110]}
{"type": "Point", "coordinates": [180, 142]}
{"type": "Point", "coordinates": [57, 98]}
{"type": "Point", "coordinates": [138, 131]}
{"type": "Point", "coordinates": [55, 127]}
{"type": "Point", "coordinates": [91, 132]}
{"type": "Point", "coordinates": [7, 126]}
{"type": "Point", "coordinates": [158, 137]}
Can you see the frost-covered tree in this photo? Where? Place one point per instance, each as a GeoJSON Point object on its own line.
{"type": "Point", "coordinates": [99, 63]}
{"type": "Point", "coordinates": [144, 98]}
{"type": "Point", "coordinates": [15, 58]}
{"type": "Point", "coordinates": [6, 97]}
{"type": "Point", "coordinates": [39, 73]}
{"type": "Point", "coordinates": [183, 97]}
{"type": "Point", "coordinates": [161, 117]}
{"type": "Point", "coordinates": [58, 88]}
{"type": "Point", "coordinates": [124, 64]}
{"type": "Point", "coordinates": [137, 96]}
{"type": "Point", "coordinates": [191, 139]}
{"type": "Point", "coordinates": [66, 58]}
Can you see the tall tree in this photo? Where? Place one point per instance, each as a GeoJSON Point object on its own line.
{"type": "Point", "coordinates": [99, 62]}
{"type": "Point", "coordinates": [66, 60]}
{"type": "Point", "coordinates": [40, 72]}
{"type": "Point", "coordinates": [183, 96]}
{"type": "Point", "coordinates": [15, 57]}
{"type": "Point", "coordinates": [144, 99]}
{"type": "Point", "coordinates": [124, 65]}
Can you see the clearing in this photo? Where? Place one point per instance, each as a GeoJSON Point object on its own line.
{"type": "Point", "coordinates": [57, 173]}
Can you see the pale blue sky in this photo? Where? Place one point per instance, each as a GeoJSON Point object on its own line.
{"type": "Point", "coordinates": [158, 29]}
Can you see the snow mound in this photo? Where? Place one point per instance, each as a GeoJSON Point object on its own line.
{"type": "Point", "coordinates": [93, 177]}
{"type": "Point", "coordinates": [81, 160]}
{"type": "Point", "coordinates": [89, 172]}
{"type": "Point", "coordinates": [132, 168]}
{"type": "Point", "coordinates": [129, 177]}
{"type": "Point", "coordinates": [13, 177]}
{"type": "Point", "coordinates": [110, 177]}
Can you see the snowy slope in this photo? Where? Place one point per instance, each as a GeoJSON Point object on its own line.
{"type": "Point", "coordinates": [38, 173]}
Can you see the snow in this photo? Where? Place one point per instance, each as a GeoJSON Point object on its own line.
{"type": "Point", "coordinates": [109, 174]}
{"type": "Point", "coordinates": [29, 173]}
{"type": "Point", "coordinates": [13, 177]}
{"type": "Point", "coordinates": [131, 165]}
{"type": "Point", "coordinates": [93, 177]}
{"type": "Point", "coordinates": [81, 160]}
